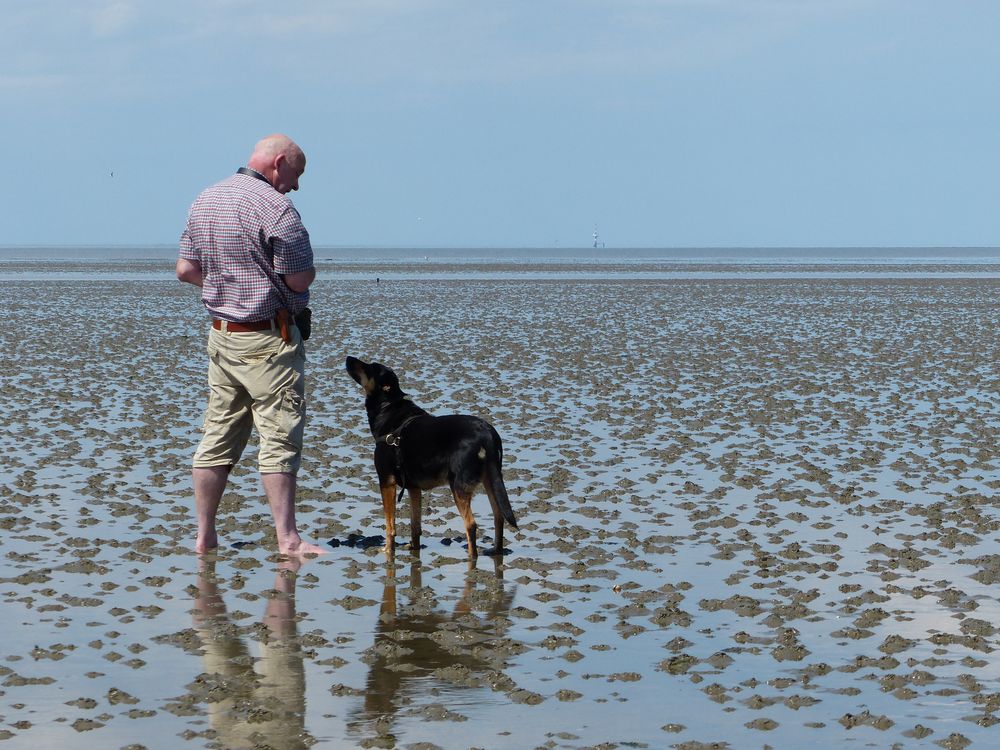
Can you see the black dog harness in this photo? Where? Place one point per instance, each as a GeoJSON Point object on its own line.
{"type": "Point", "coordinates": [394, 440]}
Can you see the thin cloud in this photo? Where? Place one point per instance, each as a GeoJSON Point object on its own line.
{"type": "Point", "coordinates": [114, 18]}
{"type": "Point", "coordinates": [400, 43]}
{"type": "Point", "coordinates": [29, 82]}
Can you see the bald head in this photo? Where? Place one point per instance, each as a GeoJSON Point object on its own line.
{"type": "Point", "coordinates": [280, 160]}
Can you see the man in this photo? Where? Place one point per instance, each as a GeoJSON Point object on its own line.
{"type": "Point", "coordinates": [245, 246]}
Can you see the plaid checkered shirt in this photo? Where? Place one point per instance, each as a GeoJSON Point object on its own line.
{"type": "Point", "coordinates": [246, 236]}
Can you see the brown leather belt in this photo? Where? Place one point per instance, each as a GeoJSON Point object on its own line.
{"type": "Point", "coordinates": [257, 325]}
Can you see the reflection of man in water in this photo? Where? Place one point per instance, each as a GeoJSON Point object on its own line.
{"type": "Point", "coordinates": [253, 702]}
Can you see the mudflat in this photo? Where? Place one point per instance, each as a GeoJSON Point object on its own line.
{"type": "Point", "coordinates": [754, 512]}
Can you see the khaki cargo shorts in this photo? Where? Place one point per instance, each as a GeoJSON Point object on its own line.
{"type": "Point", "coordinates": [255, 378]}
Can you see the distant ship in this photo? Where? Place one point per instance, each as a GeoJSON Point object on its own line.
{"type": "Point", "coordinates": [597, 238]}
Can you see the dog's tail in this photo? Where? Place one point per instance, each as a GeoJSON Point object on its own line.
{"type": "Point", "coordinates": [493, 480]}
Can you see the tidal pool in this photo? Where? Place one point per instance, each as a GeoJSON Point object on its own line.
{"type": "Point", "coordinates": [754, 512]}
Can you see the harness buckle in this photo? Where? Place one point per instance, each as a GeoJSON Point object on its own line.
{"type": "Point", "coordinates": [392, 439]}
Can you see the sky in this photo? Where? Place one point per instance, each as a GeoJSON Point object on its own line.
{"type": "Point", "coordinates": [512, 123]}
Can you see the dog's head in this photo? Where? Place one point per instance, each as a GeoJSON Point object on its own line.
{"type": "Point", "coordinates": [377, 379]}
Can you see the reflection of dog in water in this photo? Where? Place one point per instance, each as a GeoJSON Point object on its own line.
{"type": "Point", "coordinates": [417, 451]}
{"type": "Point", "coordinates": [252, 703]}
{"type": "Point", "coordinates": [419, 649]}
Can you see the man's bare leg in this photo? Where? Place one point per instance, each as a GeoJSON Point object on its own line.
{"type": "Point", "coordinates": [209, 484]}
{"type": "Point", "coordinates": [280, 489]}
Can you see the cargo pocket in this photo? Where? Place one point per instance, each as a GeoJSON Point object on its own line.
{"type": "Point", "coordinates": [292, 416]}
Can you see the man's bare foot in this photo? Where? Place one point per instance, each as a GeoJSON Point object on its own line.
{"type": "Point", "coordinates": [300, 548]}
{"type": "Point", "coordinates": [206, 544]}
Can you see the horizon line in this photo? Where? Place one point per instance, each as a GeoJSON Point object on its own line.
{"type": "Point", "coordinates": [376, 246]}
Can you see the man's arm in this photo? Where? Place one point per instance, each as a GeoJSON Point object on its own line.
{"type": "Point", "coordinates": [189, 271]}
{"type": "Point", "coordinates": [299, 282]}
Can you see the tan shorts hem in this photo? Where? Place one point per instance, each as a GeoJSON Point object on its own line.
{"type": "Point", "coordinates": [209, 464]}
{"type": "Point", "coordinates": [279, 469]}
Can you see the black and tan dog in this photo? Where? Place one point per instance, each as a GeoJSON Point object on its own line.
{"type": "Point", "coordinates": [417, 451]}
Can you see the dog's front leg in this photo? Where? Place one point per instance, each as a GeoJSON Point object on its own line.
{"type": "Point", "coordinates": [389, 506]}
{"type": "Point", "coordinates": [416, 503]}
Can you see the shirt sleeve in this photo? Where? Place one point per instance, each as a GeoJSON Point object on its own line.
{"type": "Point", "coordinates": [290, 242]}
{"type": "Point", "coordinates": [188, 250]}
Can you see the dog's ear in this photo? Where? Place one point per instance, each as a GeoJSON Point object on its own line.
{"type": "Point", "coordinates": [360, 372]}
{"type": "Point", "coordinates": [384, 378]}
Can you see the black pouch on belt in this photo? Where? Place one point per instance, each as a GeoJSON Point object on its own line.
{"type": "Point", "coordinates": [303, 320]}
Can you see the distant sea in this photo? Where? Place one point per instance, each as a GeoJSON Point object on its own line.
{"type": "Point", "coordinates": [155, 262]}
{"type": "Point", "coordinates": [808, 255]}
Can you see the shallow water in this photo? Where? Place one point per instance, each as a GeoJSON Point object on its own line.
{"type": "Point", "coordinates": [754, 512]}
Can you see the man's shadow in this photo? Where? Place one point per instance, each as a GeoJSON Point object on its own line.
{"type": "Point", "coordinates": [251, 702]}
{"type": "Point", "coordinates": [421, 649]}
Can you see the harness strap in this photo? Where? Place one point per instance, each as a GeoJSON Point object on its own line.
{"type": "Point", "coordinates": [394, 439]}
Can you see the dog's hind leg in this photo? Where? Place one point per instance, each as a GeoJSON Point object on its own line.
{"type": "Point", "coordinates": [389, 506]}
{"type": "Point", "coordinates": [415, 507]}
{"type": "Point", "coordinates": [463, 501]}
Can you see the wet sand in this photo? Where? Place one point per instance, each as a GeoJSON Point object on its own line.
{"type": "Point", "coordinates": [754, 512]}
